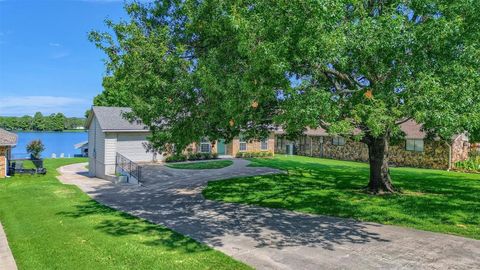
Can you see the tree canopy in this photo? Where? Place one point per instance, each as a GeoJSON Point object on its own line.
{"type": "Point", "coordinates": [217, 68]}
{"type": "Point", "coordinates": [39, 122]}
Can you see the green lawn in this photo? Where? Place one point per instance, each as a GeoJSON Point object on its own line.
{"type": "Point", "coordinates": [217, 164]}
{"type": "Point", "coordinates": [54, 226]}
{"type": "Point", "coordinates": [432, 200]}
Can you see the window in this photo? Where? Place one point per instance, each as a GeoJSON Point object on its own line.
{"type": "Point", "coordinates": [243, 144]}
{"type": "Point", "coordinates": [264, 145]}
{"type": "Point", "coordinates": [414, 145]}
{"type": "Point", "coordinates": [338, 140]}
{"type": "Point", "coordinates": [279, 141]}
{"type": "Point", "coordinates": [204, 146]}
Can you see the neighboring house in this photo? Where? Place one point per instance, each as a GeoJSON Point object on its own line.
{"type": "Point", "coordinates": [415, 151]}
{"type": "Point", "coordinates": [7, 141]}
{"type": "Point", "coordinates": [83, 146]}
{"type": "Point", "coordinates": [110, 133]}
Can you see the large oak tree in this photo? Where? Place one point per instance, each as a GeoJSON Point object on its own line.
{"type": "Point", "coordinates": [357, 68]}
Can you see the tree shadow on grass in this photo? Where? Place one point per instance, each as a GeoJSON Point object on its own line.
{"type": "Point", "coordinates": [120, 224]}
{"type": "Point", "coordinates": [430, 197]}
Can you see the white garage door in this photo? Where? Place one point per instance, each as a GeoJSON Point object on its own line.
{"type": "Point", "coordinates": [131, 145]}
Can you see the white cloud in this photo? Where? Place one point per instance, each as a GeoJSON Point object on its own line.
{"type": "Point", "coordinates": [58, 55]}
{"type": "Point", "coordinates": [28, 105]}
{"type": "Point", "coordinates": [53, 44]}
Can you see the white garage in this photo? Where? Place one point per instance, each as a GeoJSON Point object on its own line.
{"type": "Point", "coordinates": [110, 134]}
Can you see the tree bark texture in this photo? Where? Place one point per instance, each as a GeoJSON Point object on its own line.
{"type": "Point", "coordinates": [380, 181]}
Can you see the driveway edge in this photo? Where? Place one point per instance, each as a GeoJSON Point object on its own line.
{"type": "Point", "coordinates": [7, 262]}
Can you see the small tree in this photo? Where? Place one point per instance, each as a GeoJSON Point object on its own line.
{"type": "Point", "coordinates": [35, 149]}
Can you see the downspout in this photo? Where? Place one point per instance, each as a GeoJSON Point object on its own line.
{"type": "Point", "coordinates": [94, 152]}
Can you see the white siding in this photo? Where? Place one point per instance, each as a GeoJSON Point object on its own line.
{"type": "Point", "coordinates": [96, 150]}
{"type": "Point", "coordinates": [131, 145]}
{"type": "Point", "coordinates": [110, 152]}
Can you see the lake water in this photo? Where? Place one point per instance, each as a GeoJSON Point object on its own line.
{"type": "Point", "coordinates": [55, 143]}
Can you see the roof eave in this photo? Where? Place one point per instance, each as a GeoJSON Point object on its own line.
{"type": "Point", "coordinates": [13, 144]}
{"type": "Point", "coordinates": [89, 119]}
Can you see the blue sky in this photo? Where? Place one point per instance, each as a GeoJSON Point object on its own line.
{"type": "Point", "coordinates": [47, 63]}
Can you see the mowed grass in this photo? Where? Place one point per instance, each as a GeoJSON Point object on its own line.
{"type": "Point", "coordinates": [203, 165]}
{"type": "Point", "coordinates": [432, 200]}
{"type": "Point", "coordinates": [54, 226]}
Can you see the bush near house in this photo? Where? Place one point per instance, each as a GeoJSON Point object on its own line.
{"type": "Point", "coordinates": [254, 154]}
{"type": "Point", "coordinates": [470, 165]}
{"type": "Point", "coordinates": [191, 157]}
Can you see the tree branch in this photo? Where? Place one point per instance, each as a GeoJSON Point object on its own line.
{"type": "Point", "coordinates": [404, 121]}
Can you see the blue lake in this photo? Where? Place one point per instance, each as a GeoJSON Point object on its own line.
{"type": "Point", "coordinates": [55, 143]}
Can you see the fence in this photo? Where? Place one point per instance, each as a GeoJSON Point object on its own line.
{"type": "Point", "coordinates": [25, 166]}
{"type": "Point", "coordinates": [125, 165]}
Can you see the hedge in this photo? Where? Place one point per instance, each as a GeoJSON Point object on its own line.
{"type": "Point", "coordinates": [253, 154]}
{"type": "Point", "coordinates": [192, 156]}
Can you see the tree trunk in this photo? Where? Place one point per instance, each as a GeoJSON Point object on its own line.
{"type": "Point", "coordinates": [380, 181]}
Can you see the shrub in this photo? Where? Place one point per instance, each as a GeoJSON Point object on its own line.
{"type": "Point", "coordinates": [253, 154]}
{"type": "Point", "coordinates": [191, 156]}
{"type": "Point", "coordinates": [176, 158]}
{"type": "Point", "coordinates": [472, 164]}
{"type": "Point", "coordinates": [35, 149]}
{"type": "Point", "coordinates": [206, 156]}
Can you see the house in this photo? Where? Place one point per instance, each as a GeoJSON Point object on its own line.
{"type": "Point", "coordinates": [416, 150]}
{"type": "Point", "coordinates": [111, 135]}
{"type": "Point", "coordinates": [8, 140]}
{"type": "Point", "coordinates": [83, 146]}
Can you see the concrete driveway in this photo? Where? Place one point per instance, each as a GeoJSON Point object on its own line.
{"type": "Point", "coordinates": [271, 238]}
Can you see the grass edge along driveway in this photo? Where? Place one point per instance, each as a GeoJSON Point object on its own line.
{"type": "Point", "coordinates": [431, 200]}
{"type": "Point", "coordinates": [201, 165]}
{"type": "Point", "coordinates": [54, 226]}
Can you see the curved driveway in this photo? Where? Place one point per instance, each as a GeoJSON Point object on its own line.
{"type": "Point", "coordinates": [272, 238]}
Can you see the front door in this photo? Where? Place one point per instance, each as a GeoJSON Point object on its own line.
{"type": "Point", "coordinates": [221, 147]}
{"type": "Point", "coordinates": [289, 150]}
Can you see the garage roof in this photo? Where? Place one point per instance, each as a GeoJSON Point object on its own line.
{"type": "Point", "coordinates": [112, 119]}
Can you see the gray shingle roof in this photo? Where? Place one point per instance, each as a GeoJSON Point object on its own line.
{"type": "Point", "coordinates": [7, 138]}
{"type": "Point", "coordinates": [112, 119]}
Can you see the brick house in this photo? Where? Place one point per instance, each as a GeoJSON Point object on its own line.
{"type": "Point", "coordinates": [7, 141]}
{"type": "Point", "coordinates": [238, 144]}
{"type": "Point", "coordinates": [415, 151]}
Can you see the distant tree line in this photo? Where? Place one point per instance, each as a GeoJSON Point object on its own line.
{"type": "Point", "coordinates": [39, 122]}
